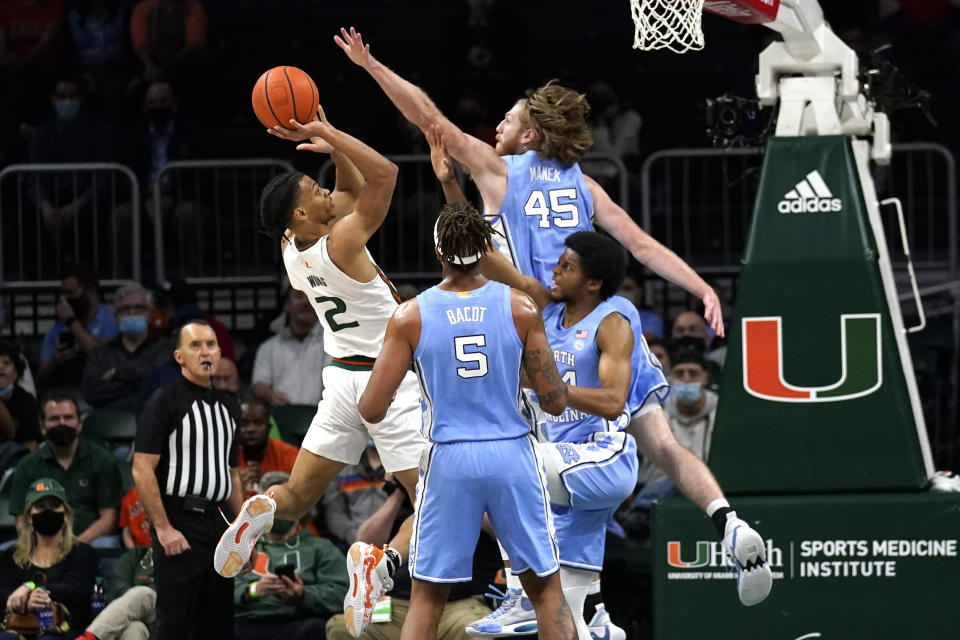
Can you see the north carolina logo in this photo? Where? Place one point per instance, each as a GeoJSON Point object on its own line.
{"type": "Point", "coordinates": [860, 372]}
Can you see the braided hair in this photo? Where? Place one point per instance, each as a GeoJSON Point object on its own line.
{"type": "Point", "coordinates": [462, 235]}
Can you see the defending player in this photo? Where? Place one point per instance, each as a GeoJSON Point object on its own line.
{"type": "Point", "coordinates": [325, 255]}
{"type": "Point", "coordinates": [468, 339]}
{"type": "Point", "coordinates": [531, 182]}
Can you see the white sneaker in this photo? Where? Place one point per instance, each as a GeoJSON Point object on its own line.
{"type": "Point", "coordinates": [601, 628]}
{"type": "Point", "coordinates": [749, 554]}
{"type": "Point", "coordinates": [236, 543]}
{"type": "Point", "coordinates": [369, 580]}
{"type": "Point", "coordinates": [514, 617]}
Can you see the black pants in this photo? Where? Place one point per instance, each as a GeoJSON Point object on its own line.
{"type": "Point", "coordinates": [304, 629]}
{"type": "Point", "coordinates": [193, 601]}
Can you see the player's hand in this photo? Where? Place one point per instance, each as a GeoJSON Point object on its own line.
{"type": "Point", "coordinates": [172, 541]}
{"type": "Point", "coordinates": [352, 44]}
{"type": "Point", "coordinates": [713, 311]}
{"type": "Point", "coordinates": [439, 158]}
{"type": "Point", "coordinates": [298, 132]}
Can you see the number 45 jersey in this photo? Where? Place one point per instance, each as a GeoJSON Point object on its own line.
{"type": "Point", "coordinates": [546, 201]}
{"type": "Point", "coordinates": [468, 362]}
{"type": "Point", "coordinates": [354, 314]}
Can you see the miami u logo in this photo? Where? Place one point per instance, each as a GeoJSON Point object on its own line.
{"type": "Point", "coordinates": [673, 555]}
{"type": "Point", "coordinates": [860, 371]}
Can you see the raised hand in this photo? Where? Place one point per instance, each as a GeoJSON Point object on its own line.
{"type": "Point", "coordinates": [439, 158]}
{"type": "Point", "coordinates": [713, 311]}
{"type": "Point", "coordinates": [352, 44]}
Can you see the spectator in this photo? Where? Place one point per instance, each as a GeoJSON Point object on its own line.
{"type": "Point", "coordinates": [288, 368]}
{"type": "Point", "coordinates": [690, 410]}
{"type": "Point", "coordinates": [132, 599]}
{"type": "Point", "coordinates": [167, 35]}
{"type": "Point", "coordinates": [407, 290]}
{"type": "Point", "coordinates": [18, 408]}
{"type": "Point", "coordinates": [182, 306]}
{"type": "Point", "coordinates": [134, 524]}
{"type": "Point", "coordinates": [114, 372]}
{"type": "Point", "coordinates": [48, 555]}
{"type": "Point", "coordinates": [690, 329]}
{"type": "Point", "coordinates": [72, 135]}
{"type": "Point", "coordinates": [659, 349]}
{"type": "Point", "coordinates": [356, 494]}
{"type": "Point", "coordinates": [295, 602]}
{"type": "Point", "coordinates": [260, 454]}
{"type": "Point", "coordinates": [99, 29]}
{"type": "Point", "coordinates": [87, 471]}
{"type": "Point", "coordinates": [82, 325]}
{"type": "Point", "coordinates": [616, 129]}
{"type": "Point", "coordinates": [632, 290]}
{"type": "Point", "coordinates": [465, 603]}
{"type": "Point", "coordinates": [226, 377]}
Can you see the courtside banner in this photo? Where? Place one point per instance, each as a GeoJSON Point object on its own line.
{"type": "Point", "coordinates": [814, 396]}
{"type": "Point", "coordinates": [845, 566]}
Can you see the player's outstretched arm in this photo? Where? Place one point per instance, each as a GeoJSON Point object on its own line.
{"type": "Point", "coordinates": [538, 361]}
{"type": "Point", "coordinates": [443, 166]}
{"type": "Point", "coordinates": [615, 341]}
{"type": "Point", "coordinates": [487, 168]}
{"type": "Point", "coordinates": [612, 218]}
{"type": "Point", "coordinates": [399, 342]}
{"type": "Point", "coordinates": [494, 266]}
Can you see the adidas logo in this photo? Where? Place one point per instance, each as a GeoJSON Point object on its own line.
{"type": "Point", "coordinates": [811, 195]}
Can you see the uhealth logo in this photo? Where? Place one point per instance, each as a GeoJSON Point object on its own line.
{"type": "Point", "coordinates": [811, 195]}
{"type": "Point", "coordinates": [711, 554]}
{"type": "Point", "coordinates": [861, 370]}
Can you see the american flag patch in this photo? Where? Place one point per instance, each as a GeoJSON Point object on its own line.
{"type": "Point", "coordinates": [582, 334]}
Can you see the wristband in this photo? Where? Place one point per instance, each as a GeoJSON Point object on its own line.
{"type": "Point", "coordinates": [30, 584]}
{"type": "Point", "coordinates": [252, 589]}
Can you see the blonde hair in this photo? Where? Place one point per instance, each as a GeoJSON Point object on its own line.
{"type": "Point", "coordinates": [558, 115]}
{"type": "Point", "coordinates": [27, 537]}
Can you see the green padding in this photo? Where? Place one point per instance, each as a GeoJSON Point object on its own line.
{"type": "Point", "coordinates": [813, 394]}
{"type": "Point", "coordinates": [819, 547]}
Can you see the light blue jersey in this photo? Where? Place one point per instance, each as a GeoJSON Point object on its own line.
{"type": "Point", "coordinates": [468, 362]}
{"type": "Point", "coordinates": [578, 360]}
{"type": "Point", "coordinates": [648, 377]}
{"type": "Point", "coordinates": [546, 201]}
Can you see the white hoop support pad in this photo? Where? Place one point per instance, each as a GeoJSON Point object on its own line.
{"type": "Point", "coordinates": [744, 11]}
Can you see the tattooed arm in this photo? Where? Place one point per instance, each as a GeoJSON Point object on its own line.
{"type": "Point", "coordinates": [538, 362]}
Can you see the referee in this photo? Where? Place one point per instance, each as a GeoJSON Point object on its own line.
{"type": "Point", "coordinates": [185, 468]}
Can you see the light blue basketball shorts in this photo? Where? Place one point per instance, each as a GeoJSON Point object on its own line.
{"type": "Point", "coordinates": [587, 482]}
{"type": "Point", "coordinates": [459, 481]}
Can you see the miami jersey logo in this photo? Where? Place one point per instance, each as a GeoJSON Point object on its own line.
{"type": "Point", "coordinates": [860, 369]}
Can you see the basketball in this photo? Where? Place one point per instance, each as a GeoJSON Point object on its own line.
{"type": "Point", "coordinates": [283, 93]}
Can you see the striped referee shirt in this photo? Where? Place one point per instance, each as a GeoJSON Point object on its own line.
{"type": "Point", "coordinates": [194, 431]}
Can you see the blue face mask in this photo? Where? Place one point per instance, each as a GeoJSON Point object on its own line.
{"type": "Point", "coordinates": [687, 392]}
{"type": "Point", "coordinates": [133, 325]}
{"type": "Point", "coordinates": [67, 108]}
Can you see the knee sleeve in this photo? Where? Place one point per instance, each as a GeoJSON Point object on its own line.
{"type": "Point", "coordinates": [576, 583]}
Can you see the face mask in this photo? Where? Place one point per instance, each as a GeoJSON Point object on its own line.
{"type": "Point", "coordinates": [687, 392]}
{"type": "Point", "coordinates": [48, 522]}
{"type": "Point", "coordinates": [281, 526]}
{"type": "Point", "coordinates": [7, 389]}
{"type": "Point", "coordinates": [133, 325]}
{"type": "Point", "coordinates": [67, 108]}
{"type": "Point", "coordinates": [80, 305]}
{"type": "Point", "coordinates": [61, 435]}
{"type": "Point", "coordinates": [160, 116]}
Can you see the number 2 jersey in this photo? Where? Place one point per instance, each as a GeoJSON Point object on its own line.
{"type": "Point", "coordinates": [354, 314]}
{"type": "Point", "coordinates": [468, 363]}
{"type": "Point", "coordinates": [546, 201]}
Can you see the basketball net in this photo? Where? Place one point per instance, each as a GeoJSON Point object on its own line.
{"type": "Point", "coordinates": [667, 24]}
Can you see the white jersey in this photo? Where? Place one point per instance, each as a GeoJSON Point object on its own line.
{"type": "Point", "coordinates": [354, 314]}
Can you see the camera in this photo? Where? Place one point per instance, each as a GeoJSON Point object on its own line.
{"type": "Point", "coordinates": [734, 121]}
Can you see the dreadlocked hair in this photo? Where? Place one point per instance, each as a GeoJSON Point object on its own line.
{"type": "Point", "coordinates": [277, 202]}
{"type": "Point", "coordinates": [462, 232]}
{"type": "Point", "coordinates": [559, 117]}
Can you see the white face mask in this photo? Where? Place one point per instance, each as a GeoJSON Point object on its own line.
{"type": "Point", "coordinates": [687, 392]}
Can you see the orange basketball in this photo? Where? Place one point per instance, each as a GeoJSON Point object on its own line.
{"type": "Point", "coordinates": [282, 94]}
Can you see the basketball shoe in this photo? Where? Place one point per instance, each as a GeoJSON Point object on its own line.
{"type": "Point", "coordinates": [369, 580]}
{"type": "Point", "coordinates": [236, 543]}
{"type": "Point", "coordinates": [749, 555]}
{"type": "Point", "coordinates": [514, 617]}
{"type": "Point", "coordinates": [601, 627]}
